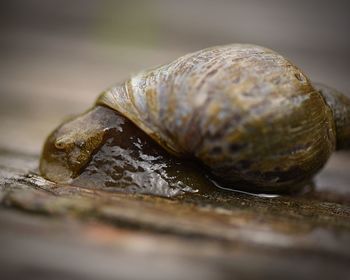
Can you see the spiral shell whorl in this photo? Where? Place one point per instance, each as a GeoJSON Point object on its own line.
{"type": "Point", "coordinates": [243, 110]}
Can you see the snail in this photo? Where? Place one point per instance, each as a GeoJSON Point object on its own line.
{"type": "Point", "coordinates": [238, 116]}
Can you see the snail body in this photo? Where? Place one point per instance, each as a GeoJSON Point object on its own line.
{"type": "Point", "coordinates": [245, 112]}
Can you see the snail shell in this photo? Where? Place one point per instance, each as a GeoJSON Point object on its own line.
{"type": "Point", "coordinates": [244, 111]}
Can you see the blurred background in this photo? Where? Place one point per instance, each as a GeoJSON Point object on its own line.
{"type": "Point", "coordinates": [56, 56]}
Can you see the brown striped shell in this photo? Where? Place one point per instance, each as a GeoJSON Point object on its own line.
{"type": "Point", "coordinates": [244, 111]}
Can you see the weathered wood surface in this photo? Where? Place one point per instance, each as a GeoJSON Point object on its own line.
{"type": "Point", "coordinates": [62, 231]}
{"type": "Point", "coordinates": [53, 232]}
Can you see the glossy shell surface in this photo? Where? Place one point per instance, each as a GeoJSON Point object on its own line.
{"type": "Point", "coordinates": [243, 110]}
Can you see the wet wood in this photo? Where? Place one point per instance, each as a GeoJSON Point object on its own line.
{"type": "Point", "coordinates": [200, 237]}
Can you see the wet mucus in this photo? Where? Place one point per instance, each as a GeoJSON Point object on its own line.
{"type": "Point", "coordinates": [128, 160]}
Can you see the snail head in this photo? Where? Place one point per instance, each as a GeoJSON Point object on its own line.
{"type": "Point", "coordinates": [70, 147]}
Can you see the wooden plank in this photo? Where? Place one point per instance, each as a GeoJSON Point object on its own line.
{"type": "Point", "coordinates": [204, 237]}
